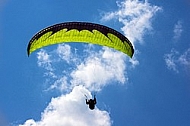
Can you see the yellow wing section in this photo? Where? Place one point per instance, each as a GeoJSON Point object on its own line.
{"type": "Point", "coordinates": [81, 32]}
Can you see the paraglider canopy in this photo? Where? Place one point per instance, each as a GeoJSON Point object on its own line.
{"type": "Point", "coordinates": [81, 32]}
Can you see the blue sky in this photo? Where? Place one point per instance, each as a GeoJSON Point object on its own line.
{"type": "Point", "coordinates": [48, 88]}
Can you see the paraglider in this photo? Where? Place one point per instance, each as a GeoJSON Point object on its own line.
{"type": "Point", "coordinates": [81, 32]}
{"type": "Point", "coordinates": [91, 102]}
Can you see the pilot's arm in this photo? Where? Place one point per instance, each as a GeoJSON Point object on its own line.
{"type": "Point", "coordinates": [87, 102]}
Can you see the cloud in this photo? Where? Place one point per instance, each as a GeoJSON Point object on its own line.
{"type": "Point", "coordinates": [44, 60]}
{"type": "Point", "coordinates": [64, 52]}
{"type": "Point", "coordinates": [136, 17]}
{"type": "Point", "coordinates": [171, 60]}
{"type": "Point", "coordinates": [177, 30]}
{"type": "Point", "coordinates": [71, 110]}
{"type": "Point", "coordinates": [184, 59]}
{"type": "Point", "coordinates": [100, 69]}
{"type": "Point", "coordinates": [60, 84]}
{"type": "Point", "coordinates": [95, 70]}
{"type": "Point", "coordinates": [174, 60]}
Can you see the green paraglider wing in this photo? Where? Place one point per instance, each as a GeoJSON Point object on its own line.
{"type": "Point", "coordinates": [81, 32]}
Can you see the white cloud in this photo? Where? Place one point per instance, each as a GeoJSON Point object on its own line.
{"type": "Point", "coordinates": [71, 110]}
{"type": "Point", "coordinates": [61, 54]}
{"type": "Point", "coordinates": [100, 69]}
{"type": "Point", "coordinates": [174, 60]}
{"type": "Point", "coordinates": [171, 60]}
{"type": "Point", "coordinates": [184, 59]}
{"type": "Point", "coordinates": [136, 17]}
{"type": "Point", "coordinates": [44, 60]}
{"type": "Point", "coordinates": [64, 52]}
{"type": "Point", "coordinates": [60, 84]}
{"type": "Point", "coordinates": [134, 61]}
{"type": "Point", "coordinates": [95, 70]}
{"type": "Point", "coordinates": [177, 30]}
